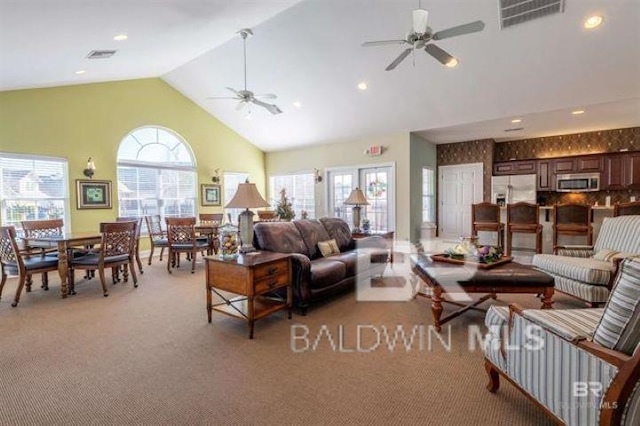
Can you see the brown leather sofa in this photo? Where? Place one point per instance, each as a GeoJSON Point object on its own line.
{"type": "Point", "coordinates": [316, 277]}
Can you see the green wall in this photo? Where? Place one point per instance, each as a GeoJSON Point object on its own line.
{"type": "Point", "coordinates": [77, 122]}
{"type": "Point", "coordinates": [423, 154]}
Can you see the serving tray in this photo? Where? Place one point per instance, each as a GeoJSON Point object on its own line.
{"type": "Point", "coordinates": [442, 257]}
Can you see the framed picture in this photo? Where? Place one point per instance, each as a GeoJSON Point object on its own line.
{"type": "Point", "coordinates": [93, 194]}
{"type": "Point", "coordinates": [210, 195]}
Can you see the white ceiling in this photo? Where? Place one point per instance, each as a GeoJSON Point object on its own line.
{"type": "Point", "coordinates": [310, 52]}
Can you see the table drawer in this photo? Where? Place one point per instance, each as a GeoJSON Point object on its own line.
{"type": "Point", "coordinates": [271, 282]}
{"type": "Point", "coordinates": [271, 270]}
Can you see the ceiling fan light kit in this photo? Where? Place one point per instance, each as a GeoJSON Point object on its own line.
{"type": "Point", "coordinates": [422, 37]}
{"type": "Point", "coordinates": [245, 96]}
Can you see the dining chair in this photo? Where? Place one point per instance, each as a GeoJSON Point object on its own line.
{"type": "Point", "coordinates": [138, 221]}
{"type": "Point", "coordinates": [42, 228]}
{"type": "Point", "coordinates": [214, 220]}
{"type": "Point", "coordinates": [157, 236]}
{"type": "Point", "coordinates": [572, 219]}
{"type": "Point", "coordinates": [117, 248]}
{"type": "Point", "coordinates": [625, 209]}
{"type": "Point", "coordinates": [523, 218]}
{"type": "Point", "coordinates": [181, 234]}
{"type": "Point", "coordinates": [486, 217]}
{"type": "Point", "coordinates": [24, 264]}
{"type": "Point", "coordinates": [210, 217]}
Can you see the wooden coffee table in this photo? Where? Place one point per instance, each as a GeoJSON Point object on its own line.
{"type": "Point", "coordinates": [443, 278]}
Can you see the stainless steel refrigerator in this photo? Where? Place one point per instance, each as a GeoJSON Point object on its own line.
{"type": "Point", "coordinates": [513, 189]}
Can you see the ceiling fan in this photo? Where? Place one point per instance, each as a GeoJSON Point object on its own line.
{"type": "Point", "coordinates": [247, 97]}
{"type": "Point", "coordinates": [421, 35]}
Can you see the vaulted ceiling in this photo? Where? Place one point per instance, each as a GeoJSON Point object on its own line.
{"type": "Point", "coordinates": [309, 52]}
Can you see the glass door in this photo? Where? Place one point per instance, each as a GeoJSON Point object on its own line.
{"type": "Point", "coordinates": [341, 182]}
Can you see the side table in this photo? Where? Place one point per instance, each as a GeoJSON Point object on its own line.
{"type": "Point", "coordinates": [387, 235]}
{"type": "Point", "coordinates": [254, 278]}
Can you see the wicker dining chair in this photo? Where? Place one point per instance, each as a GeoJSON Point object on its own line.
{"type": "Point", "coordinates": [14, 262]}
{"type": "Point", "coordinates": [117, 248]}
{"type": "Point", "coordinates": [157, 236]}
{"type": "Point", "coordinates": [42, 228]}
{"type": "Point", "coordinates": [138, 221]}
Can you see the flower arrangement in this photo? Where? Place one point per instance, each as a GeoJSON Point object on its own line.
{"type": "Point", "coordinates": [480, 254]}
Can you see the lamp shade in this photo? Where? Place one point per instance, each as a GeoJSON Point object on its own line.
{"type": "Point", "coordinates": [356, 198]}
{"type": "Point", "coordinates": [247, 197]}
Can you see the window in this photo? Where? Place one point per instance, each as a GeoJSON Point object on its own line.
{"type": "Point", "coordinates": [231, 182]}
{"type": "Point", "coordinates": [33, 188]}
{"type": "Point", "coordinates": [300, 192]}
{"type": "Point", "coordinates": [428, 195]}
{"type": "Point", "coordinates": [156, 174]}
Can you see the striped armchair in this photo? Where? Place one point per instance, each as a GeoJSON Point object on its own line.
{"type": "Point", "coordinates": [587, 272]}
{"type": "Point", "coordinates": [582, 366]}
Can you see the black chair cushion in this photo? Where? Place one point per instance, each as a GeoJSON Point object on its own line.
{"type": "Point", "coordinates": [160, 242]}
{"type": "Point", "coordinates": [199, 245]}
{"type": "Point", "coordinates": [39, 262]}
{"type": "Point", "coordinates": [94, 259]}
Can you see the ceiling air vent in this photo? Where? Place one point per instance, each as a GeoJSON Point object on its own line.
{"type": "Point", "coordinates": [516, 129]}
{"type": "Point", "coordinates": [101, 54]}
{"type": "Point", "coordinates": [513, 12]}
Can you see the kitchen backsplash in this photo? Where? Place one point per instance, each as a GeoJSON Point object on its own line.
{"type": "Point", "coordinates": [550, 198]}
{"type": "Point", "coordinates": [575, 144]}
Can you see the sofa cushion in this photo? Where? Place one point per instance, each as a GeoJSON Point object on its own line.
{"type": "Point", "coordinates": [312, 233]}
{"type": "Point", "coordinates": [571, 324]}
{"type": "Point", "coordinates": [619, 327]}
{"type": "Point", "coordinates": [326, 272]}
{"type": "Point", "coordinates": [355, 262]}
{"type": "Point", "coordinates": [328, 248]}
{"type": "Point", "coordinates": [587, 270]}
{"type": "Point", "coordinates": [619, 234]}
{"type": "Point", "coordinates": [611, 255]}
{"type": "Point", "coordinates": [282, 237]}
{"type": "Point", "coordinates": [339, 230]}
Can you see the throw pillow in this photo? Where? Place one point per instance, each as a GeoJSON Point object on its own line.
{"type": "Point", "coordinates": [328, 248]}
{"type": "Point", "coordinates": [606, 254]}
{"type": "Point", "coordinates": [619, 327]}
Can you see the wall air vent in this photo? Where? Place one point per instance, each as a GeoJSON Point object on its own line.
{"type": "Point", "coordinates": [513, 12]}
{"type": "Point", "coordinates": [516, 129]}
{"type": "Point", "coordinates": [101, 54]}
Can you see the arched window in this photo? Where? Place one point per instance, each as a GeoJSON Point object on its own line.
{"type": "Point", "coordinates": [156, 174]}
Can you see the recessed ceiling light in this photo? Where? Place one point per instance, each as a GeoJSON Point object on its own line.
{"type": "Point", "coordinates": [516, 120]}
{"type": "Point", "coordinates": [297, 104]}
{"type": "Point", "coordinates": [362, 85]}
{"type": "Point", "coordinates": [80, 72]}
{"type": "Point", "coordinates": [577, 112]}
{"type": "Point", "coordinates": [120, 37]}
{"type": "Point", "coordinates": [593, 21]}
{"type": "Point", "coordinates": [452, 63]}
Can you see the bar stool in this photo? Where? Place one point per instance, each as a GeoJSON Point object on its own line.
{"type": "Point", "coordinates": [624, 209]}
{"type": "Point", "coordinates": [486, 217]}
{"type": "Point", "coordinates": [522, 218]}
{"type": "Point", "coordinates": [572, 219]}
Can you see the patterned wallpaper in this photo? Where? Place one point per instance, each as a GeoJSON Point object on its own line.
{"type": "Point", "coordinates": [480, 151]}
{"type": "Point", "coordinates": [575, 144]}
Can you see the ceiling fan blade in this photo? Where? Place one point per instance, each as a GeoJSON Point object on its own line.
{"type": "Point", "coordinates": [382, 43]}
{"type": "Point", "coordinates": [471, 27]}
{"type": "Point", "coordinates": [266, 96]}
{"type": "Point", "coordinates": [273, 109]}
{"type": "Point", "coordinates": [232, 90]}
{"type": "Point", "coordinates": [240, 105]}
{"type": "Point", "coordinates": [420, 21]}
{"type": "Point", "coordinates": [399, 59]}
{"type": "Point", "coordinates": [442, 56]}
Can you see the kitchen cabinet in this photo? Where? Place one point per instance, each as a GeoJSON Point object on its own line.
{"type": "Point", "coordinates": [589, 164]}
{"type": "Point", "coordinates": [545, 181]}
{"type": "Point", "coordinates": [632, 170]}
{"type": "Point", "coordinates": [517, 167]}
{"type": "Point", "coordinates": [564, 165]}
{"type": "Point", "coordinates": [613, 177]}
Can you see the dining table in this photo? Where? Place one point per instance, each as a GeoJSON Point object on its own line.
{"type": "Point", "coordinates": [210, 229]}
{"type": "Point", "coordinates": [64, 243]}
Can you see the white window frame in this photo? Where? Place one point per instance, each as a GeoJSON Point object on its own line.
{"type": "Point", "coordinates": [274, 193]}
{"type": "Point", "coordinates": [193, 168]}
{"type": "Point", "coordinates": [429, 196]}
{"type": "Point", "coordinates": [66, 199]}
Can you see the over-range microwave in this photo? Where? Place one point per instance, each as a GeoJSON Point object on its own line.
{"type": "Point", "coordinates": [579, 182]}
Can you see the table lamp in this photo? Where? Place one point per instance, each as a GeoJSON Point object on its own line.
{"type": "Point", "coordinates": [356, 199]}
{"type": "Point", "coordinates": [246, 197]}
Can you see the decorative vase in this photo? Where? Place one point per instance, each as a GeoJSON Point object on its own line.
{"type": "Point", "coordinates": [228, 241]}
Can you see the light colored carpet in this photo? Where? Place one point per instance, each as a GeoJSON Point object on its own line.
{"type": "Point", "coordinates": [148, 356]}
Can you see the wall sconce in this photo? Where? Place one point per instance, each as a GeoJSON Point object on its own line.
{"type": "Point", "coordinates": [317, 176]}
{"type": "Point", "coordinates": [90, 170]}
{"type": "Point", "coordinates": [216, 176]}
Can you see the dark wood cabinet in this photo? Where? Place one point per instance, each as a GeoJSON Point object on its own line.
{"type": "Point", "coordinates": [591, 163]}
{"type": "Point", "coordinates": [632, 170]}
{"type": "Point", "coordinates": [517, 167]}
{"type": "Point", "coordinates": [564, 165]}
{"type": "Point", "coordinates": [613, 176]}
{"type": "Point", "coordinates": [545, 181]}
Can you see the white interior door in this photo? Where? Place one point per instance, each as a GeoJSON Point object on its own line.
{"type": "Point", "coordinates": [459, 187]}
